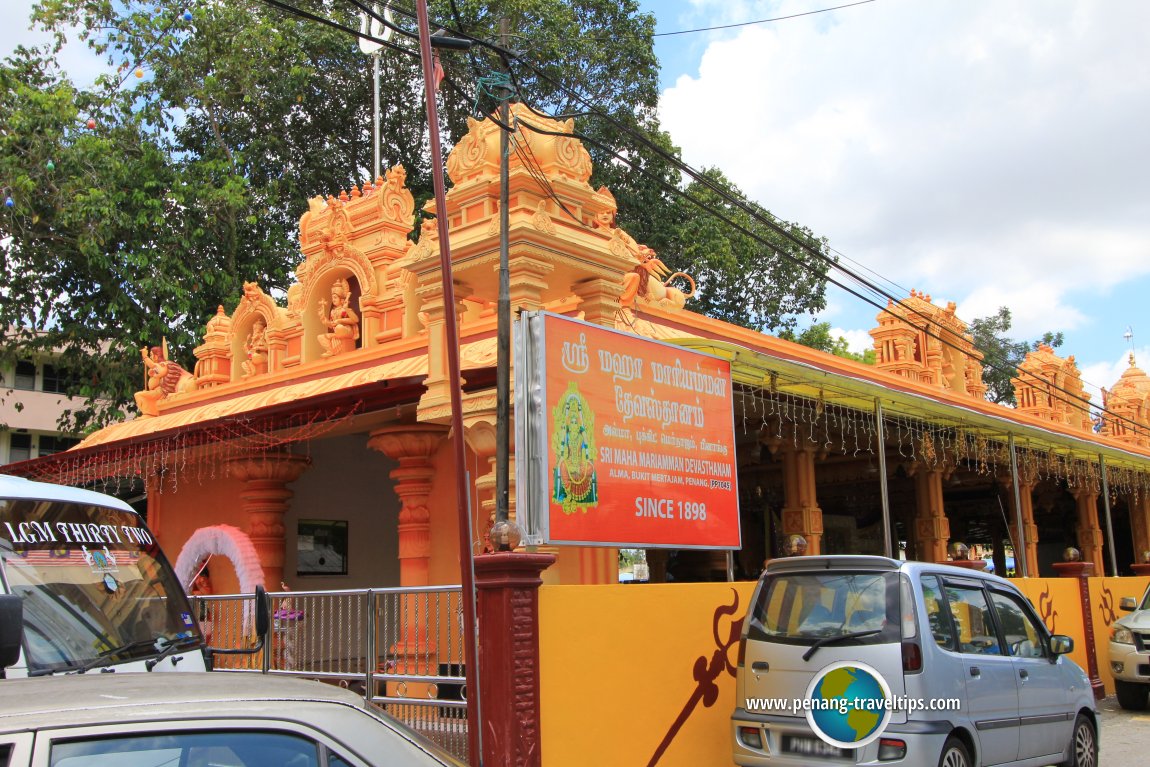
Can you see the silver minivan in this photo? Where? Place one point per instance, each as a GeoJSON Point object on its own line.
{"type": "Point", "coordinates": [872, 661]}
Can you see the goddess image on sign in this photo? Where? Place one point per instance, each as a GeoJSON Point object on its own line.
{"type": "Point", "coordinates": [575, 485]}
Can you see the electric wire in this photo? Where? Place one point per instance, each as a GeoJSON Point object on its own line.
{"type": "Point", "coordinates": [288, 8]}
{"type": "Point", "coordinates": [759, 21]}
{"type": "Point", "coordinates": [757, 213]}
{"type": "Point", "coordinates": [1070, 398]}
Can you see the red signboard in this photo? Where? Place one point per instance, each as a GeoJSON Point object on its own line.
{"type": "Point", "coordinates": [638, 437]}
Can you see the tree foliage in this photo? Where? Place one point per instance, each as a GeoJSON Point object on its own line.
{"type": "Point", "coordinates": [818, 336]}
{"type": "Point", "coordinates": [746, 272]}
{"type": "Point", "coordinates": [1002, 355]}
{"type": "Point", "coordinates": [195, 175]}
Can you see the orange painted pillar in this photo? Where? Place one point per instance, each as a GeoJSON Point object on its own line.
{"type": "Point", "coordinates": [1088, 530]}
{"type": "Point", "coordinates": [801, 512]}
{"type": "Point", "coordinates": [265, 500]}
{"type": "Point", "coordinates": [931, 527]}
{"type": "Point", "coordinates": [1028, 537]}
{"type": "Point", "coordinates": [413, 447]}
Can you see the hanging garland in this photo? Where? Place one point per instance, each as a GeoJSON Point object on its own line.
{"type": "Point", "coordinates": [775, 415]}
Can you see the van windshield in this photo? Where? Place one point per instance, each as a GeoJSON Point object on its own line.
{"type": "Point", "coordinates": [94, 583]}
{"type": "Point", "coordinates": [803, 608]}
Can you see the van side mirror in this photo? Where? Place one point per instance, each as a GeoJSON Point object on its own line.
{"type": "Point", "coordinates": [263, 623]}
{"type": "Point", "coordinates": [11, 629]}
{"type": "Point", "coordinates": [1060, 644]}
{"type": "Point", "coordinates": [1127, 604]}
{"type": "Point", "coordinates": [263, 617]}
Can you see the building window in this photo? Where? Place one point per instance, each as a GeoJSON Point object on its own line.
{"type": "Point", "coordinates": [56, 380]}
{"type": "Point", "coordinates": [50, 444]}
{"type": "Point", "coordinates": [25, 376]}
{"type": "Point", "coordinates": [19, 447]}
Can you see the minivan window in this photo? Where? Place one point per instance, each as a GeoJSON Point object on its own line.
{"type": "Point", "coordinates": [971, 615]}
{"type": "Point", "coordinates": [1023, 638]}
{"type": "Point", "coordinates": [802, 608]}
{"type": "Point", "coordinates": [941, 626]}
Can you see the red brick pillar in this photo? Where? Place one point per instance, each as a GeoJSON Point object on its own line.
{"type": "Point", "coordinates": [1082, 571]}
{"type": "Point", "coordinates": [508, 615]}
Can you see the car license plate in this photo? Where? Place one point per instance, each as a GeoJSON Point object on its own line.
{"type": "Point", "coordinates": [797, 744]}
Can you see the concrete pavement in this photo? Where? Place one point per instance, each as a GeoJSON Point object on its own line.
{"type": "Point", "coordinates": [1125, 735]}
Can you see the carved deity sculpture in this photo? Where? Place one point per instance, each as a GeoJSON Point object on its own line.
{"type": "Point", "coordinates": [256, 348]}
{"type": "Point", "coordinates": [342, 322]}
{"type": "Point", "coordinates": [164, 377]}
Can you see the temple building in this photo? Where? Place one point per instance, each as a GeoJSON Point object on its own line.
{"type": "Point", "coordinates": [317, 426]}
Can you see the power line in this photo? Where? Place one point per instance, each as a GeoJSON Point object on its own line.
{"type": "Point", "coordinates": [757, 213]}
{"type": "Point", "coordinates": [759, 21]}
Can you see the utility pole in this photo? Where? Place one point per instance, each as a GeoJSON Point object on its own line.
{"type": "Point", "coordinates": [503, 328]}
{"type": "Point", "coordinates": [451, 330]}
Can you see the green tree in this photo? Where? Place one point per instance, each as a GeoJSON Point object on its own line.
{"type": "Point", "coordinates": [745, 271]}
{"type": "Point", "coordinates": [195, 175]}
{"type": "Point", "coordinates": [1002, 355]}
{"type": "Point", "coordinates": [818, 336]}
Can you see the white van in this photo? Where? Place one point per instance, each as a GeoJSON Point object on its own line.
{"type": "Point", "coordinates": [872, 661]}
{"type": "Point", "coordinates": [94, 589]}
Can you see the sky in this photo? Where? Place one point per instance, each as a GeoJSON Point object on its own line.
{"type": "Point", "coordinates": [986, 152]}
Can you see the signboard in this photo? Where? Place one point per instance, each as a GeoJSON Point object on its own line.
{"type": "Point", "coordinates": [621, 440]}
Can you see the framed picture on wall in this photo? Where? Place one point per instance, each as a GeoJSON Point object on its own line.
{"type": "Point", "coordinates": [321, 547]}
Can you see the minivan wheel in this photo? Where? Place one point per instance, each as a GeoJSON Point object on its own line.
{"type": "Point", "coordinates": [1131, 695]}
{"type": "Point", "coordinates": [954, 754]}
{"type": "Point", "coordinates": [1083, 744]}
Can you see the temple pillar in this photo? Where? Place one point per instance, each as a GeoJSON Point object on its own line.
{"type": "Point", "coordinates": [801, 513]}
{"type": "Point", "coordinates": [413, 446]}
{"type": "Point", "coordinates": [1088, 530]}
{"type": "Point", "coordinates": [1139, 504]}
{"type": "Point", "coordinates": [479, 431]}
{"type": "Point", "coordinates": [599, 300]}
{"type": "Point", "coordinates": [528, 278]}
{"type": "Point", "coordinates": [265, 501]}
{"type": "Point", "coordinates": [931, 527]}
{"type": "Point", "coordinates": [438, 395]}
{"type": "Point", "coordinates": [1027, 539]}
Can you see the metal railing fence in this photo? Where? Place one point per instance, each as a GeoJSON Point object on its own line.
{"type": "Point", "coordinates": [401, 648]}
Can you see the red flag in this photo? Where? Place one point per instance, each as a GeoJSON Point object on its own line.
{"type": "Point", "coordinates": [438, 72]}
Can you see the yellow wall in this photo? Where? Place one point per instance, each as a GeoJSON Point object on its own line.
{"type": "Point", "coordinates": [1058, 601]}
{"type": "Point", "coordinates": [1104, 596]}
{"type": "Point", "coordinates": [618, 665]}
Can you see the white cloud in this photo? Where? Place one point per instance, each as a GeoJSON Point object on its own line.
{"type": "Point", "coordinates": [858, 341]}
{"type": "Point", "coordinates": [76, 59]}
{"type": "Point", "coordinates": [1106, 374]}
{"type": "Point", "coordinates": [985, 152]}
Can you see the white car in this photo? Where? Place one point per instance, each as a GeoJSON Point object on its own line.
{"type": "Point", "coordinates": [208, 718]}
{"type": "Point", "coordinates": [1130, 653]}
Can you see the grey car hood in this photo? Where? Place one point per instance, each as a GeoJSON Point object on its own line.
{"type": "Point", "coordinates": [1139, 619]}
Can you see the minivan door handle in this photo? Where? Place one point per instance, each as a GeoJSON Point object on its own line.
{"type": "Point", "coordinates": [1023, 674]}
{"type": "Point", "coordinates": [760, 667]}
{"type": "Point", "coordinates": [975, 671]}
